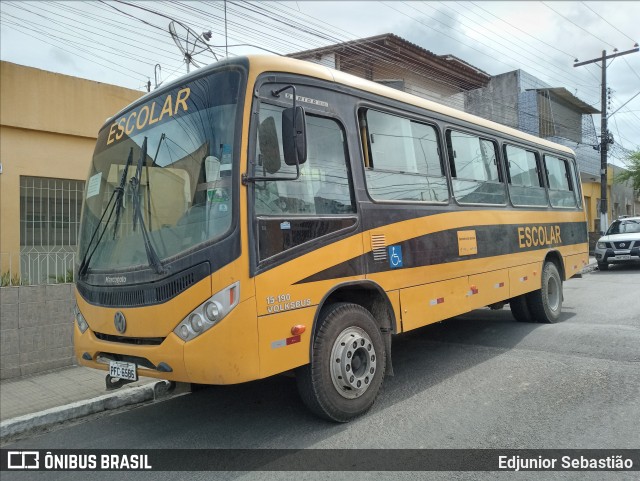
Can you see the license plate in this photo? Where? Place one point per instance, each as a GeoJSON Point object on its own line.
{"type": "Point", "coordinates": [622, 258]}
{"type": "Point", "coordinates": [123, 370]}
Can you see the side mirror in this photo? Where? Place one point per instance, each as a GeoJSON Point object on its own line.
{"type": "Point", "coordinates": [269, 148]}
{"type": "Point", "coordinates": [294, 136]}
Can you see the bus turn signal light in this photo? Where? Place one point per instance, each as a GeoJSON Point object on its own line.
{"type": "Point", "coordinates": [297, 330]}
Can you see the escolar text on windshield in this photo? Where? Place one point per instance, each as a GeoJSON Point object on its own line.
{"type": "Point", "coordinates": [139, 118]}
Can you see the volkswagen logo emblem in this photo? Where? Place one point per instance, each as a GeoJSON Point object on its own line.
{"type": "Point", "coordinates": [120, 322]}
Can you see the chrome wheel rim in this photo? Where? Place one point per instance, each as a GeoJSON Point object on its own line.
{"type": "Point", "coordinates": [353, 362]}
{"type": "Point", "coordinates": [553, 293]}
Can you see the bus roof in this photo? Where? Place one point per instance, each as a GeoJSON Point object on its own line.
{"type": "Point", "coordinates": [272, 63]}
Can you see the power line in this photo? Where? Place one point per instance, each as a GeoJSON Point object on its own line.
{"type": "Point", "coordinates": [631, 68]}
{"type": "Point", "coordinates": [529, 52]}
{"type": "Point", "coordinates": [19, 27]}
{"type": "Point", "coordinates": [581, 28]}
{"type": "Point", "coordinates": [608, 23]}
{"type": "Point", "coordinates": [274, 24]}
{"type": "Point", "coordinates": [524, 32]}
{"type": "Point", "coordinates": [49, 29]}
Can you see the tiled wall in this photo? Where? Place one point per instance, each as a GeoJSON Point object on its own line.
{"type": "Point", "coordinates": [36, 329]}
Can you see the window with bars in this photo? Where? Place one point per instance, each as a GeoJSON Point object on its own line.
{"type": "Point", "coordinates": [49, 211]}
{"type": "Point", "coordinates": [49, 223]}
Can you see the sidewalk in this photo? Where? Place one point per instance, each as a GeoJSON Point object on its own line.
{"type": "Point", "coordinates": [41, 400]}
{"type": "Point", "coordinates": [591, 266]}
{"type": "Point", "coordinates": [36, 393]}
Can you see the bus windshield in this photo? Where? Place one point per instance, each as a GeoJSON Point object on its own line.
{"type": "Point", "coordinates": [160, 178]}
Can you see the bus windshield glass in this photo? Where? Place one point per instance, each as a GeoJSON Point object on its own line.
{"type": "Point", "coordinates": [161, 176]}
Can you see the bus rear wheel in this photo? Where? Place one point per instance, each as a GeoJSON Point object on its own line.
{"type": "Point", "coordinates": [520, 310]}
{"type": "Point", "coordinates": [347, 365]}
{"type": "Point", "coordinates": [546, 303]}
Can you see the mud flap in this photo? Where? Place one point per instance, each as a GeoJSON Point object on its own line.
{"type": "Point", "coordinates": [386, 337]}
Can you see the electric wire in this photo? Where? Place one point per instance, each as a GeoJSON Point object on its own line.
{"type": "Point", "coordinates": [548, 64]}
{"type": "Point", "coordinates": [19, 28]}
{"type": "Point", "coordinates": [578, 26]}
{"type": "Point", "coordinates": [607, 22]}
{"type": "Point", "coordinates": [278, 32]}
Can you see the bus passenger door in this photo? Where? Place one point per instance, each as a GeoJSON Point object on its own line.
{"type": "Point", "coordinates": [305, 231]}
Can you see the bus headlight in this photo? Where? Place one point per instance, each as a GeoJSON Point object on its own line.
{"type": "Point", "coordinates": [82, 323]}
{"type": "Point", "coordinates": [209, 313]}
{"type": "Point", "coordinates": [196, 322]}
{"type": "Point", "coordinates": [212, 310]}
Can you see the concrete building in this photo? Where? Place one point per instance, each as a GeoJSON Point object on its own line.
{"type": "Point", "coordinates": [396, 62]}
{"type": "Point", "coordinates": [524, 102]}
{"type": "Point", "coordinates": [623, 199]}
{"type": "Point", "coordinates": [48, 127]}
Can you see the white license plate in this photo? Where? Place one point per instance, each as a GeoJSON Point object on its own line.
{"type": "Point", "coordinates": [123, 370]}
{"type": "Point", "coordinates": [622, 258]}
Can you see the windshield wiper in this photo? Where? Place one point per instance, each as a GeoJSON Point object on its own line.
{"type": "Point", "coordinates": [152, 256]}
{"type": "Point", "coordinates": [120, 191]}
{"type": "Point", "coordinates": [153, 164]}
{"type": "Point", "coordinates": [116, 206]}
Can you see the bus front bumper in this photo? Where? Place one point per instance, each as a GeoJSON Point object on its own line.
{"type": "Point", "coordinates": [225, 354]}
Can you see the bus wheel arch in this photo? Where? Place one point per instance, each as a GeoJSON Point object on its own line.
{"type": "Point", "coordinates": [555, 257]}
{"type": "Point", "coordinates": [545, 304]}
{"type": "Point", "coordinates": [367, 294]}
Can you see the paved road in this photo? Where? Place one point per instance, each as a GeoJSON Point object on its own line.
{"type": "Point", "coordinates": [481, 380]}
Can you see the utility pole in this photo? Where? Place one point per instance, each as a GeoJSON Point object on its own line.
{"type": "Point", "coordinates": [605, 138]}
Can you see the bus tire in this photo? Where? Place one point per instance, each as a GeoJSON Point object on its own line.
{"type": "Point", "coordinates": [520, 309]}
{"type": "Point", "coordinates": [347, 366]}
{"type": "Point", "coordinates": [545, 304]}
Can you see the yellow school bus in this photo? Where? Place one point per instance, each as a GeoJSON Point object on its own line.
{"type": "Point", "coordinates": [265, 214]}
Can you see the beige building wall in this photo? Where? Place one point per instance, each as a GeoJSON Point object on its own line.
{"type": "Point", "coordinates": [48, 127]}
{"type": "Point", "coordinates": [621, 200]}
{"type": "Point", "coordinates": [592, 193]}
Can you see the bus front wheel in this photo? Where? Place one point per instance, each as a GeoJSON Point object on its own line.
{"type": "Point", "coordinates": [347, 365]}
{"type": "Point", "coordinates": [545, 304]}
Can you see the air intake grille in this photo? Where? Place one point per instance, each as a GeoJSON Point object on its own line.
{"type": "Point", "coordinates": [623, 244]}
{"type": "Point", "coordinates": [379, 247]}
{"type": "Point", "coordinates": [144, 294]}
{"type": "Point", "coordinates": [122, 298]}
{"type": "Point", "coordinates": [141, 341]}
{"type": "Point", "coordinates": [174, 287]}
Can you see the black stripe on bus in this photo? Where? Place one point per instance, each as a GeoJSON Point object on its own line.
{"type": "Point", "coordinates": [442, 247]}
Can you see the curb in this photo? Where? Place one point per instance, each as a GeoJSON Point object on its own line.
{"type": "Point", "coordinates": [78, 409]}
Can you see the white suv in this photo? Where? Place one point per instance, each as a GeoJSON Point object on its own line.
{"type": "Point", "coordinates": [621, 243]}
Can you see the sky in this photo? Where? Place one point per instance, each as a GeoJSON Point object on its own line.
{"type": "Point", "coordinates": [121, 42]}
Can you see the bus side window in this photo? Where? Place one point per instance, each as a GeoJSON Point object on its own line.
{"type": "Point", "coordinates": [561, 190]}
{"type": "Point", "coordinates": [402, 159]}
{"type": "Point", "coordinates": [324, 185]}
{"type": "Point", "coordinates": [474, 166]}
{"type": "Point", "coordinates": [575, 176]}
{"type": "Point", "coordinates": [525, 183]}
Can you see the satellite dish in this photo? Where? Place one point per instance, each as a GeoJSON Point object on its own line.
{"type": "Point", "coordinates": [189, 42]}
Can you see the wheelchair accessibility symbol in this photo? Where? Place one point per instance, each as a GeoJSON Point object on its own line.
{"type": "Point", "coordinates": [395, 257]}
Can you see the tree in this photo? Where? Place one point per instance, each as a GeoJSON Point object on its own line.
{"type": "Point", "coordinates": [632, 172]}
